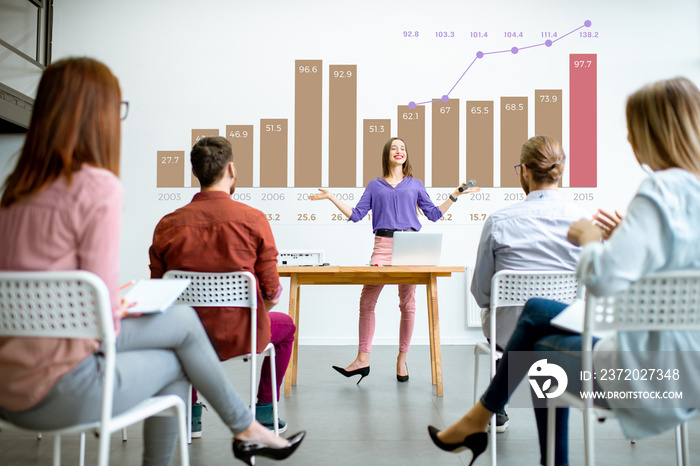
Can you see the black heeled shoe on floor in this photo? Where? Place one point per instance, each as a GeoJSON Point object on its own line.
{"type": "Point", "coordinates": [363, 371]}
{"type": "Point", "coordinates": [475, 442]}
{"type": "Point", "coordinates": [403, 378]}
{"type": "Point", "coordinates": [244, 450]}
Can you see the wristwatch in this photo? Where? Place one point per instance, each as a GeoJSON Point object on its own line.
{"type": "Point", "coordinates": [452, 198]}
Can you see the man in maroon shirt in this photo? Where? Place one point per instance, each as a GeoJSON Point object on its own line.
{"type": "Point", "coordinates": [214, 233]}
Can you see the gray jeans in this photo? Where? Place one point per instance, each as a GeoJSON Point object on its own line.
{"type": "Point", "coordinates": [156, 355]}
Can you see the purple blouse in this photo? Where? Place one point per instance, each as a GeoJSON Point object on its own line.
{"type": "Point", "coordinates": [395, 208]}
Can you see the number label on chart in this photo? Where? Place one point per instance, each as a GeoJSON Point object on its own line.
{"type": "Point", "coordinates": [169, 159]}
{"type": "Point", "coordinates": [339, 74]}
{"type": "Point", "coordinates": [273, 196]}
{"type": "Point", "coordinates": [583, 196]}
{"type": "Point", "coordinates": [304, 69]}
{"type": "Point", "coordinates": [241, 134]}
{"type": "Point", "coordinates": [376, 128]}
{"type": "Point", "coordinates": [479, 196]}
{"type": "Point", "coordinates": [169, 196]}
{"type": "Point", "coordinates": [306, 217]}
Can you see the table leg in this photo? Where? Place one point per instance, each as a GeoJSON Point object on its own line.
{"type": "Point", "coordinates": [431, 334]}
{"type": "Point", "coordinates": [297, 323]}
{"type": "Point", "coordinates": [290, 375]}
{"type": "Point", "coordinates": [433, 303]}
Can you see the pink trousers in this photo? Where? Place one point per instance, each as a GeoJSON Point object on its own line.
{"type": "Point", "coordinates": [381, 255]}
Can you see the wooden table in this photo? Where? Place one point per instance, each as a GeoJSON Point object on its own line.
{"type": "Point", "coordinates": [366, 275]}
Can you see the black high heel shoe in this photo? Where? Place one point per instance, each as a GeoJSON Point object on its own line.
{"type": "Point", "coordinates": [244, 450]}
{"type": "Point", "coordinates": [403, 378]}
{"type": "Point", "coordinates": [363, 371]}
{"type": "Point", "coordinates": [475, 442]}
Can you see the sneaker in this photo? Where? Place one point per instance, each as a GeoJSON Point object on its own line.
{"type": "Point", "coordinates": [197, 420]}
{"type": "Point", "coordinates": [502, 421]}
{"type": "Point", "coordinates": [263, 414]}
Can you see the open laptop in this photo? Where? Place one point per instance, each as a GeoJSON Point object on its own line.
{"type": "Point", "coordinates": [416, 249]}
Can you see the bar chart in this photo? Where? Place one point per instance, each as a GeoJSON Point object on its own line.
{"type": "Point", "coordinates": [450, 138]}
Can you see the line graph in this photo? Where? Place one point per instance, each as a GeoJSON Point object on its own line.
{"type": "Point", "coordinates": [480, 55]}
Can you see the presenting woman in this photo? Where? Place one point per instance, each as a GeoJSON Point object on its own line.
{"type": "Point", "coordinates": [61, 210]}
{"type": "Point", "coordinates": [394, 200]}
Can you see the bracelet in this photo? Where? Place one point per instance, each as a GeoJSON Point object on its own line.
{"type": "Point", "coordinates": [452, 198]}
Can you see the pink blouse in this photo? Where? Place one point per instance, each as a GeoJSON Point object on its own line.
{"type": "Point", "coordinates": [62, 227]}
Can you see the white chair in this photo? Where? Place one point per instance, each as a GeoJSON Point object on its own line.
{"type": "Point", "coordinates": [514, 288]}
{"type": "Point", "coordinates": [230, 289]}
{"type": "Point", "coordinates": [659, 301]}
{"type": "Point", "coordinates": [76, 304]}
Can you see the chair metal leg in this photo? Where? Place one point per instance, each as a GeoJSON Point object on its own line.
{"type": "Point", "coordinates": [182, 419]}
{"type": "Point", "coordinates": [103, 455]}
{"type": "Point", "coordinates": [273, 378]}
{"type": "Point", "coordinates": [476, 373]}
{"type": "Point", "coordinates": [188, 414]}
{"type": "Point", "coordinates": [551, 436]}
{"type": "Point", "coordinates": [588, 438]}
{"type": "Point", "coordinates": [57, 450]}
{"type": "Point", "coordinates": [82, 449]}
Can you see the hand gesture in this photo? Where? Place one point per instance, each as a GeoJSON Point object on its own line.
{"type": "Point", "coordinates": [324, 194]}
{"type": "Point", "coordinates": [607, 221]}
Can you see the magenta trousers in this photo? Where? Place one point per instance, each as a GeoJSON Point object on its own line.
{"type": "Point", "coordinates": [381, 255]}
{"type": "Point", "coordinates": [282, 337]}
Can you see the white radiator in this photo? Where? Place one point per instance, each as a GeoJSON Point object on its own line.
{"type": "Point", "coordinates": [473, 311]}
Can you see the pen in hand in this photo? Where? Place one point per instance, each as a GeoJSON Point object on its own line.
{"type": "Point", "coordinates": [126, 285]}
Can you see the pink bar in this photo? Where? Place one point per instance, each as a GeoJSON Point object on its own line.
{"type": "Point", "coordinates": [583, 151]}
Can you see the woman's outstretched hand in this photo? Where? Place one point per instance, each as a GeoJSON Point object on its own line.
{"type": "Point", "coordinates": [607, 221]}
{"type": "Point", "coordinates": [324, 194]}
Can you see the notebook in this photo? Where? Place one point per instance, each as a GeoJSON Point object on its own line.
{"type": "Point", "coordinates": [572, 317]}
{"type": "Point", "coordinates": [149, 296]}
{"type": "Point", "coordinates": [416, 249]}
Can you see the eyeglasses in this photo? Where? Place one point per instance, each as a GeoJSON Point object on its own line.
{"type": "Point", "coordinates": [124, 110]}
{"type": "Point", "coordinates": [517, 168]}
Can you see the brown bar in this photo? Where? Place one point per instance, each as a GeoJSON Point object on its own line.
{"type": "Point", "coordinates": [273, 153]}
{"type": "Point", "coordinates": [375, 133]}
{"type": "Point", "coordinates": [548, 114]}
{"type": "Point", "coordinates": [170, 172]}
{"type": "Point", "coordinates": [480, 142]}
{"type": "Point", "coordinates": [308, 94]}
{"type": "Point", "coordinates": [446, 143]}
{"type": "Point", "coordinates": [241, 139]}
{"type": "Point", "coordinates": [198, 134]}
{"type": "Point", "coordinates": [513, 136]}
{"type": "Point", "coordinates": [342, 126]}
{"type": "Point", "coordinates": [412, 131]}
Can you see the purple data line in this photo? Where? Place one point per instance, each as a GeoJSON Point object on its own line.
{"type": "Point", "coordinates": [513, 50]}
{"type": "Point", "coordinates": [559, 38]}
{"type": "Point", "coordinates": [460, 78]}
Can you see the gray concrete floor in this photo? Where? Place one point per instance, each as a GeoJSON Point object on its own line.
{"type": "Point", "coordinates": [379, 422]}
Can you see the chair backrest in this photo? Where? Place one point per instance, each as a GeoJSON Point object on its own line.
{"type": "Point", "coordinates": [61, 304]}
{"type": "Point", "coordinates": [212, 289]}
{"type": "Point", "coordinates": [658, 301]}
{"type": "Point", "coordinates": [221, 289]}
{"type": "Point", "coordinates": [515, 287]}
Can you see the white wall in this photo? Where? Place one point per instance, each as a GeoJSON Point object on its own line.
{"type": "Point", "coordinates": [185, 65]}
